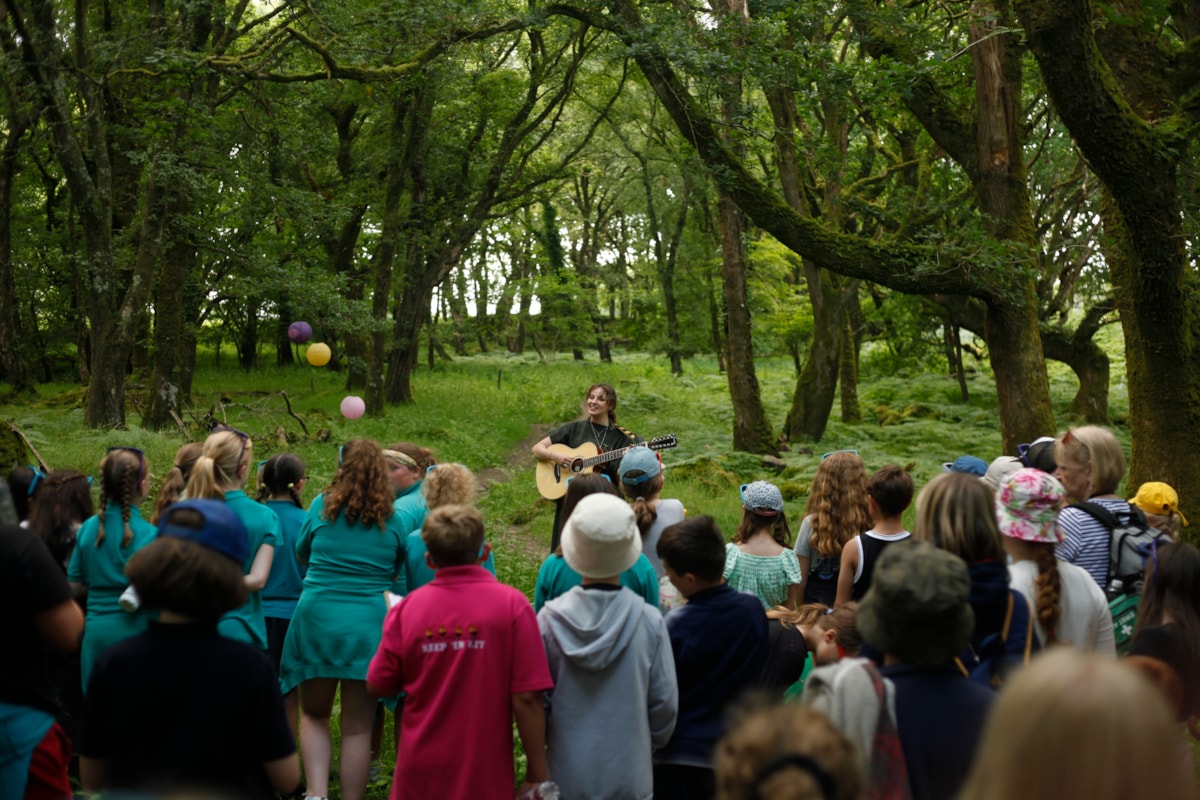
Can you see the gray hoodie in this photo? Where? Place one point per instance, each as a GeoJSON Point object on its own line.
{"type": "Point", "coordinates": [614, 698]}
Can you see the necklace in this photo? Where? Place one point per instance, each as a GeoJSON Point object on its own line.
{"type": "Point", "coordinates": [600, 440]}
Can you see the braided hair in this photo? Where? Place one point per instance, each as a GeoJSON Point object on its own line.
{"type": "Point", "coordinates": [121, 473]}
{"type": "Point", "coordinates": [280, 475]}
{"type": "Point", "coordinates": [1047, 586]}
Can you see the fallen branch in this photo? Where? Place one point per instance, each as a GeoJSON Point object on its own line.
{"type": "Point", "coordinates": [42, 465]}
{"type": "Point", "coordinates": [288, 401]}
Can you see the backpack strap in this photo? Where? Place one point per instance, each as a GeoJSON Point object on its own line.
{"type": "Point", "coordinates": [1098, 513]}
{"type": "Point", "coordinates": [1110, 522]}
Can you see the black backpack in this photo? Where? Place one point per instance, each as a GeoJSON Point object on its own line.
{"type": "Point", "coordinates": [1129, 546]}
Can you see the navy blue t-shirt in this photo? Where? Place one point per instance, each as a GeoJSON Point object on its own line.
{"type": "Point", "coordinates": [719, 639]}
{"type": "Point", "coordinates": [180, 706]}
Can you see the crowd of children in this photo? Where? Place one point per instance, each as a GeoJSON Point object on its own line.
{"type": "Point", "coordinates": [973, 657]}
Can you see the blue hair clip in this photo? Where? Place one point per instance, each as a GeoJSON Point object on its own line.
{"type": "Point", "coordinates": [37, 476]}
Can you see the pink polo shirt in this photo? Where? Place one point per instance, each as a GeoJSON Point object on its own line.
{"type": "Point", "coordinates": [459, 648]}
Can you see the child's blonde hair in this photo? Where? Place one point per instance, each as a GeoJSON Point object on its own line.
{"type": "Point", "coordinates": [121, 472]}
{"type": "Point", "coordinates": [1079, 725]}
{"type": "Point", "coordinates": [224, 453]}
{"type": "Point", "coordinates": [837, 503]}
{"type": "Point", "coordinates": [449, 484]}
{"type": "Point", "coordinates": [786, 753]}
{"type": "Point", "coordinates": [842, 620]}
{"type": "Point", "coordinates": [453, 535]}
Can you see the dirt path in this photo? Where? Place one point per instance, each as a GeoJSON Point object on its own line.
{"type": "Point", "coordinates": [518, 458]}
{"type": "Point", "coordinates": [532, 547]}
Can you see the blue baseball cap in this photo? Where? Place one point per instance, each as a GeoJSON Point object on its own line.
{"type": "Point", "coordinates": [639, 459]}
{"type": "Point", "coordinates": [220, 528]}
{"type": "Point", "coordinates": [971, 465]}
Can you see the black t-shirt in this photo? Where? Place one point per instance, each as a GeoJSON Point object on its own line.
{"type": "Point", "coordinates": [606, 438]}
{"type": "Point", "coordinates": [30, 583]}
{"type": "Point", "coordinates": [180, 706]}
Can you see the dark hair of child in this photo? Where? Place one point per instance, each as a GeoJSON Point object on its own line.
{"type": "Point", "coordinates": [422, 455]}
{"type": "Point", "coordinates": [19, 481]}
{"type": "Point", "coordinates": [361, 489]}
{"type": "Point", "coordinates": [176, 479]}
{"type": "Point", "coordinates": [280, 476]}
{"type": "Point", "coordinates": [62, 502]}
{"type": "Point", "coordinates": [186, 577]}
{"type": "Point", "coordinates": [752, 522]}
{"type": "Point", "coordinates": [892, 489]}
{"type": "Point", "coordinates": [1172, 594]}
{"type": "Point", "coordinates": [580, 487]}
{"type": "Point", "coordinates": [645, 511]}
{"type": "Point", "coordinates": [121, 471]}
{"type": "Point", "coordinates": [695, 545]}
{"type": "Point", "coordinates": [453, 535]}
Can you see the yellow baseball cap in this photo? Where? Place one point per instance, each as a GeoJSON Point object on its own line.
{"type": "Point", "coordinates": [1156, 497]}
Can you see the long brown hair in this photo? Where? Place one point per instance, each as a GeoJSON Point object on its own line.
{"type": "Point", "coordinates": [62, 502]}
{"type": "Point", "coordinates": [753, 522]}
{"type": "Point", "coordinates": [121, 473]}
{"type": "Point", "coordinates": [361, 490]}
{"type": "Point", "coordinates": [956, 513]}
{"type": "Point", "coordinates": [176, 480]}
{"type": "Point", "coordinates": [837, 503]}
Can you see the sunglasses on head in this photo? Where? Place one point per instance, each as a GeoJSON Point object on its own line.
{"type": "Point", "coordinates": [832, 452]}
{"type": "Point", "coordinates": [141, 454]}
{"type": "Point", "coordinates": [245, 437]}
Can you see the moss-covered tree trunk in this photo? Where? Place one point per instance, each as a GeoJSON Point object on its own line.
{"type": "Point", "coordinates": [751, 429]}
{"type": "Point", "coordinates": [1134, 129]}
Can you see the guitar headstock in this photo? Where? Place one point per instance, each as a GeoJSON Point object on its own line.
{"type": "Point", "coordinates": [663, 442]}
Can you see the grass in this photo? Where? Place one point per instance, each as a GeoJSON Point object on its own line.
{"type": "Point", "coordinates": [482, 410]}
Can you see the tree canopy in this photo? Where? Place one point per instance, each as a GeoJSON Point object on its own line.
{"type": "Point", "coordinates": [737, 177]}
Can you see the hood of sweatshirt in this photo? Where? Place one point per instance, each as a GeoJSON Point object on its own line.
{"type": "Point", "coordinates": [593, 627]}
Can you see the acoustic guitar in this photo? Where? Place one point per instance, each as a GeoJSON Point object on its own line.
{"type": "Point", "coordinates": [552, 476]}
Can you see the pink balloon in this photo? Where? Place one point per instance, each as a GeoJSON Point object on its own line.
{"type": "Point", "coordinates": [353, 407]}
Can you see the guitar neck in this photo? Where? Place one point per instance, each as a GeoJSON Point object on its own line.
{"type": "Point", "coordinates": [604, 458]}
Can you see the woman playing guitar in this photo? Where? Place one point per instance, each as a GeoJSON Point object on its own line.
{"type": "Point", "coordinates": [598, 427]}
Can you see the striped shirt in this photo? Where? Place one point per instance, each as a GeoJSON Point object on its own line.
{"type": "Point", "coordinates": [1086, 542]}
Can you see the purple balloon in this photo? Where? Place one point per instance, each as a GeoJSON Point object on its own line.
{"type": "Point", "coordinates": [299, 332]}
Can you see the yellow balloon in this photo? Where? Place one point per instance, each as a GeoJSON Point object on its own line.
{"type": "Point", "coordinates": [319, 354]}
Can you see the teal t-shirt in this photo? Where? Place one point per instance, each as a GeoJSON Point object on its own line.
{"type": "Point", "coordinates": [247, 624]}
{"type": "Point", "coordinates": [417, 573]}
{"type": "Point", "coordinates": [283, 587]}
{"type": "Point", "coordinates": [410, 516]}
{"type": "Point", "coordinates": [102, 569]}
{"type": "Point", "coordinates": [556, 578]}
